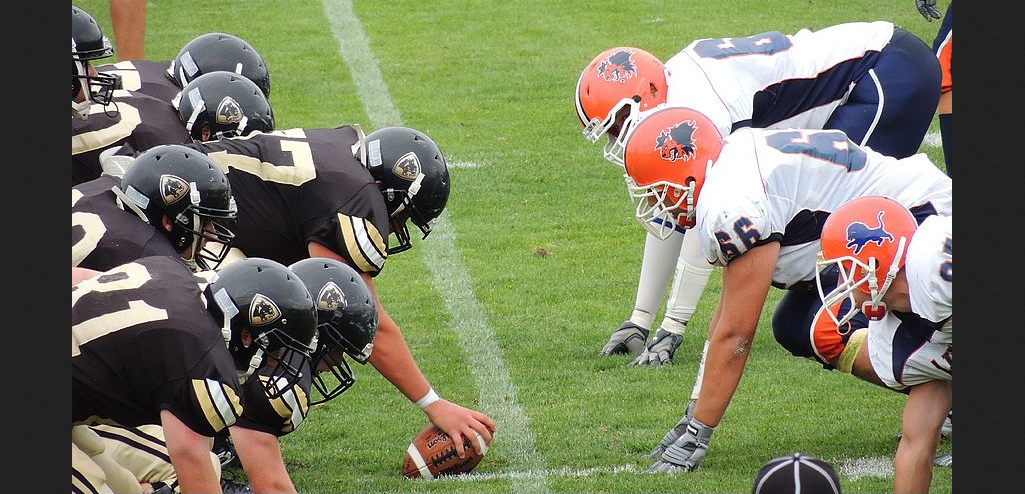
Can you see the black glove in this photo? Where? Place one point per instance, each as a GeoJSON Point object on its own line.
{"type": "Point", "coordinates": [928, 9]}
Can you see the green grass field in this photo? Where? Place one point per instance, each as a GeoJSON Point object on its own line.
{"type": "Point", "coordinates": [544, 229]}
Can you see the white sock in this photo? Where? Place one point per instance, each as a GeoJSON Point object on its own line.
{"type": "Point", "coordinates": [656, 267]}
{"type": "Point", "coordinates": [692, 272]}
{"type": "Point", "coordinates": [701, 374]}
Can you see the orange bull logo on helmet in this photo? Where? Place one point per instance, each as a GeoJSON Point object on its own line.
{"type": "Point", "coordinates": [677, 142]}
{"type": "Point", "coordinates": [618, 67]}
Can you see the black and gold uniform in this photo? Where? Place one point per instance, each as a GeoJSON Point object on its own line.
{"type": "Point", "coordinates": [145, 77]}
{"type": "Point", "coordinates": [277, 416]}
{"type": "Point", "coordinates": [134, 118]}
{"type": "Point", "coordinates": [106, 232]}
{"type": "Point", "coordinates": [304, 185]}
{"type": "Point", "coordinates": [143, 341]}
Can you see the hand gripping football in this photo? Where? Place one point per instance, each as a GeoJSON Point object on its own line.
{"type": "Point", "coordinates": [432, 453]}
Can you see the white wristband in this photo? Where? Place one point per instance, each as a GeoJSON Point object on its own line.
{"type": "Point", "coordinates": [428, 398]}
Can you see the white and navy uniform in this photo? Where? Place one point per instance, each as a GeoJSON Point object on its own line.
{"type": "Point", "coordinates": [781, 185]}
{"type": "Point", "coordinates": [911, 348]}
{"type": "Point", "coordinates": [877, 83]}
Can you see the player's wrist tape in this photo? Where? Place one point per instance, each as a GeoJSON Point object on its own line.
{"type": "Point", "coordinates": [428, 398]}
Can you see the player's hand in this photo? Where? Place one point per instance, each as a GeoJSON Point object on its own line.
{"type": "Point", "coordinates": [928, 9]}
{"type": "Point", "coordinates": [661, 349]}
{"type": "Point", "coordinates": [673, 433]}
{"type": "Point", "coordinates": [460, 422]}
{"type": "Point", "coordinates": [628, 339]}
{"type": "Point", "coordinates": [686, 453]}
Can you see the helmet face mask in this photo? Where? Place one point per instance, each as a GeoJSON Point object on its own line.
{"type": "Point", "coordinates": [187, 189]}
{"type": "Point", "coordinates": [413, 176]}
{"type": "Point", "coordinates": [88, 43]}
{"type": "Point", "coordinates": [667, 153]}
{"type": "Point", "coordinates": [223, 104]}
{"type": "Point", "coordinates": [348, 319]}
{"type": "Point", "coordinates": [268, 319]}
{"type": "Point", "coordinates": [612, 92]}
{"type": "Point", "coordinates": [866, 240]}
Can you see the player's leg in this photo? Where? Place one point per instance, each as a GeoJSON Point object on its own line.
{"type": "Point", "coordinates": [115, 475]}
{"type": "Point", "coordinates": [890, 108]}
{"type": "Point", "coordinates": [86, 476]}
{"type": "Point", "coordinates": [656, 266]}
{"type": "Point", "coordinates": [943, 47]}
{"type": "Point", "coordinates": [692, 272]}
{"type": "Point", "coordinates": [143, 452]}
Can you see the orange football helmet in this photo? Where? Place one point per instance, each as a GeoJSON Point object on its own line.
{"type": "Point", "coordinates": [667, 155]}
{"type": "Point", "coordinates": [867, 239]}
{"type": "Point", "coordinates": [613, 89]}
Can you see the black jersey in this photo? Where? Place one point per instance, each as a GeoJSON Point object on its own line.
{"type": "Point", "coordinates": [134, 118]}
{"type": "Point", "coordinates": [142, 341]}
{"type": "Point", "coordinates": [297, 186]}
{"type": "Point", "coordinates": [105, 234]}
{"type": "Point", "coordinates": [277, 416]}
{"type": "Point", "coordinates": [144, 76]}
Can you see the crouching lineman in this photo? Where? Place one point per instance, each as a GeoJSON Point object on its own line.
{"type": "Point", "coordinates": [899, 274]}
{"type": "Point", "coordinates": [347, 316]}
{"type": "Point", "coordinates": [148, 347]}
{"type": "Point", "coordinates": [338, 194]}
{"type": "Point", "coordinates": [760, 223]}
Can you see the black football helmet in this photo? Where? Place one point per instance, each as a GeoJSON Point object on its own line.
{"type": "Point", "coordinates": [347, 315]}
{"type": "Point", "coordinates": [413, 176]}
{"type": "Point", "coordinates": [191, 190]}
{"type": "Point", "coordinates": [272, 303]}
{"type": "Point", "coordinates": [219, 51]}
{"type": "Point", "coordinates": [88, 43]}
{"type": "Point", "coordinates": [229, 103]}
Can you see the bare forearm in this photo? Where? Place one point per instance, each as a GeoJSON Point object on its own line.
{"type": "Point", "coordinates": [190, 456]}
{"type": "Point", "coordinates": [924, 412]}
{"type": "Point", "coordinates": [724, 365]}
{"type": "Point", "coordinates": [391, 357]}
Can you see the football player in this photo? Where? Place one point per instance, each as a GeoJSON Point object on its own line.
{"type": "Point", "coordinates": [876, 82]}
{"type": "Point", "coordinates": [210, 52]}
{"type": "Point", "coordinates": [334, 193]}
{"type": "Point", "coordinates": [171, 201]}
{"type": "Point", "coordinates": [87, 44]}
{"type": "Point", "coordinates": [899, 274]}
{"type": "Point", "coordinates": [347, 316]}
{"type": "Point", "coordinates": [756, 201]}
{"type": "Point", "coordinates": [148, 347]}
{"type": "Point", "coordinates": [214, 105]}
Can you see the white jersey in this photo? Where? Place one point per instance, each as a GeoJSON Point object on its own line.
{"type": "Point", "coordinates": [930, 269]}
{"type": "Point", "coordinates": [780, 185]}
{"type": "Point", "coordinates": [909, 349]}
{"type": "Point", "coordinates": [774, 80]}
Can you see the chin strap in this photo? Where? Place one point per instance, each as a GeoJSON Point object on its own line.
{"type": "Point", "coordinates": [875, 308]}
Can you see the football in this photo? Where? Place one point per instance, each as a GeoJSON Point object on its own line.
{"type": "Point", "coordinates": [432, 453]}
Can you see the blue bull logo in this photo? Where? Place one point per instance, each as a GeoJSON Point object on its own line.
{"type": "Point", "coordinates": [859, 234]}
{"type": "Point", "coordinates": [618, 67]}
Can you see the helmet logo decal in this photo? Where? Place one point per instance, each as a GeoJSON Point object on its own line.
{"type": "Point", "coordinates": [172, 189]}
{"type": "Point", "coordinates": [618, 67]}
{"type": "Point", "coordinates": [330, 297]}
{"type": "Point", "coordinates": [859, 234]}
{"type": "Point", "coordinates": [407, 167]}
{"type": "Point", "coordinates": [263, 311]}
{"type": "Point", "coordinates": [677, 142]}
{"type": "Point", "coordinates": [228, 111]}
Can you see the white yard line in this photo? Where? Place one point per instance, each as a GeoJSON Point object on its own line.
{"type": "Point", "coordinates": [933, 139]}
{"type": "Point", "coordinates": [451, 278]}
{"type": "Point", "coordinates": [871, 466]}
{"type": "Point", "coordinates": [564, 472]}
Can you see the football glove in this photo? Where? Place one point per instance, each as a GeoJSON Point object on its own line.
{"type": "Point", "coordinates": [673, 434]}
{"type": "Point", "coordinates": [686, 453]}
{"type": "Point", "coordinates": [944, 460]}
{"type": "Point", "coordinates": [928, 9]}
{"type": "Point", "coordinates": [661, 349]}
{"type": "Point", "coordinates": [629, 339]}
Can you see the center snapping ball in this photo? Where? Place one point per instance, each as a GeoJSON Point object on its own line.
{"type": "Point", "coordinates": [432, 453]}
